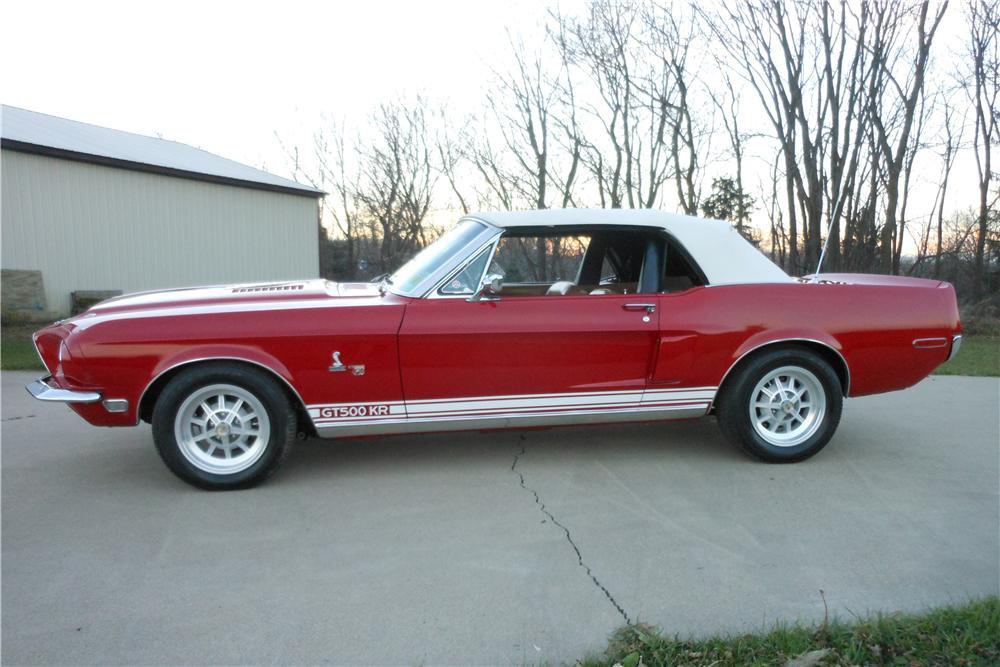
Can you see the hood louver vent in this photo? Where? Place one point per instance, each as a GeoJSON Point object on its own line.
{"type": "Point", "coordinates": [279, 287]}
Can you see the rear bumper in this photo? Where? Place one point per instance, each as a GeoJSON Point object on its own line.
{"type": "Point", "coordinates": [956, 343]}
{"type": "Point", "coordinates": [44, 391]}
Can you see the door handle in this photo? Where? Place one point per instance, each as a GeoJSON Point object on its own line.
{"type": "Point", "coordinates": [648, 307]}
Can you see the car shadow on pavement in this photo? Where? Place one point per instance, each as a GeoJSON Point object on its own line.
{"type": "Point", "coordinates": [678, 442]}
{"type": "Point", "coordinates": [134, 463]}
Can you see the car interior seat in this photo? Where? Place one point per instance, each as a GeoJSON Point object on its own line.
{"type": "Point", "coordinates": [564, 288]}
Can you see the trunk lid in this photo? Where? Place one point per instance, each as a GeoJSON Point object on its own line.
{"type": "Point", "coordinates": [872, 279]}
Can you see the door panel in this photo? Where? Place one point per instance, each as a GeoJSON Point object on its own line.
{"type": "Point", "coordinates": [585, 346]}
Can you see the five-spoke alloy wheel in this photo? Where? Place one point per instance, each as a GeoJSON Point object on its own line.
{"type": "Point", "coordinates": [781, 405]}
{"type": "Point", "coordinates": [223, 425]}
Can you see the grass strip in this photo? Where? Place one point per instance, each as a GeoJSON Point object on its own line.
{"type": "Point", "coordinates": [964, 634]}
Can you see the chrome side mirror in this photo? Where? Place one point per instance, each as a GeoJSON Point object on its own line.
{"type": "Point", "coordinates": [490, 288]}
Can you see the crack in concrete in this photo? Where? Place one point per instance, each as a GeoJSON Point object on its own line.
{"type": "Point", "coordinates": [11, 419]}
{"type": "Point", "coordinates": [569, 537]}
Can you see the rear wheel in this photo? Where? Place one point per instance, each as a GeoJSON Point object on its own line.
{"type": "Point", "coordinates": [782, 405]}
{"type": "Point", "coordinates": [223, 426]}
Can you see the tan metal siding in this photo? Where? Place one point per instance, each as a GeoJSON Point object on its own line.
{"type": "Point", "coordinates": [92, 227]}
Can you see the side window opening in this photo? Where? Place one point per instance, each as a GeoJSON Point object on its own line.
{"type": "Point", "coordinates": [621, 266]}
{"type": "Point", "coordinates": [467, 280]}
{"type": "Point", "coordinates": [530, 265]}
{"type": "Point", "coordinates": [601, 262]}
{"type": "Point", "coordinates": [678, 272]}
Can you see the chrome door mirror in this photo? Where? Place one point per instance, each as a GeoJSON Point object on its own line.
{"type": "Point", "coordinates": [490, 288]}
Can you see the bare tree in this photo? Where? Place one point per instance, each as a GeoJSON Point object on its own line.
{"type": "Point", "coordinates": [537, 116]}
{"type": "Point", "coordinates": [983, 89]}
{"type": "Point", "coordinates": [613, 108]}
{"type": "Point", "coordinates": [951, 144]}
{"type": "Point", "coordinates": [767, 41]}
{"type": "Point", "coordinates": [727, 102]}
{"type": "Point", "coordinates": [395, 180]}
{"type": "Point", "coordinates": [779, 237]}
{"type": "Point", "coordinates": [570, 136]}
{"type": "Point", "coordinates": [490, 163]}
{"type": "Point", "coordinates": [343, 209]}
{"type": "Point", "coordinates": [452, 151]}
{"type": "Point", "coordinates": [924, 109]}
{"type": "Point", "coordinates": [628, 156]}
{"type": "Point", "coordinates": [526, 127]}
{"type": "Point", "coordinates": [672, 31]}
{"type": "Point", "coordinates": [331, 172]}
{"type": "Point", "coordinates": [844, 68]}
{"type": "Point", "coordinates": [826, 74]}
{"type": "Point", "coordinates": [895, 93]}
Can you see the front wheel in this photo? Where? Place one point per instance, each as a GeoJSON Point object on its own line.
{"type": "Point", "coordinates": [223, 426]}
{"type": "Point", "coordinates": [782, 405]}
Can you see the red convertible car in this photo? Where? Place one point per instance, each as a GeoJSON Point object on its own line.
{"type": "Point", "coordinates": [509, 320]}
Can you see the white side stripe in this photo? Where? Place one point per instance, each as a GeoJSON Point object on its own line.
{"type": "Point", "coordinates": [303, 303]}
{"type": "Point", "coordinates": [499, 406]}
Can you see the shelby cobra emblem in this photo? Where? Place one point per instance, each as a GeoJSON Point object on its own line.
{"type": "Point", "coordinates": [337, 366]}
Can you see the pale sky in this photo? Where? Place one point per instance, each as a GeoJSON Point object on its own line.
{"type": "Point", "coordinates": [227, 76]}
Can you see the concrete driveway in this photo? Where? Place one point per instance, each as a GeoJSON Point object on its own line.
{"type": "Point", "coordinates": [487, 548]}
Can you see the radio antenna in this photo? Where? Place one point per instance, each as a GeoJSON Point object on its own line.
{"type": "Point", "coordinates": [826, 241]}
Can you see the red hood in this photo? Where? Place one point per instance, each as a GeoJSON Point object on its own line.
{"type": "Point", "coordinates": [58, 344]}
{"type": "Point", "coordinates": [217, 295]}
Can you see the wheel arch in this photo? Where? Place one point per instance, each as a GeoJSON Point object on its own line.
{"type": "Point", "coordinates": [152, 391]}
{"type": "Point", "coordinates": [826, 350]}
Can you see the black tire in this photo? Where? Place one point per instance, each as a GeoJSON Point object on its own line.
{"type": "Point", "coordinates": [733, 404]}
{"type": "Point", "coordinates": [258, 384]}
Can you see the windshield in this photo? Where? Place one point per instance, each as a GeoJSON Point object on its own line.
{"type": "Point", "coordinates": [431, 258]}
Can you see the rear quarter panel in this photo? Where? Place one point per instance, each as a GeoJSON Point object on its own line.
{"type": "Point", "coordinates": [704, 331]}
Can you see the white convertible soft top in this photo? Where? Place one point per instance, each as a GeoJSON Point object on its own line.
{"type": "Point", "coordinates": [725, 256]}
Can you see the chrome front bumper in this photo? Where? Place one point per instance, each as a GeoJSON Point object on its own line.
{"type": "Point", "coordinates": [43, 391]}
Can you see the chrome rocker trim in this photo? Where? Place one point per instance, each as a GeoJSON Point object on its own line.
{"type": "Point", "coordinates": [510, 420]}
{"type": "Point", "coordinates": [43, 391]}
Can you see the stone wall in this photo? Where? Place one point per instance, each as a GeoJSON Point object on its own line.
{"type": "Point", "coordinates": [22, 296]}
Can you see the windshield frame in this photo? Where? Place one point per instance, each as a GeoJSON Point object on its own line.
{"type": "Point", "coordinates": [427, 284]}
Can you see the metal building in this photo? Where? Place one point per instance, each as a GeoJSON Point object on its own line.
{"type": "Point", "coordinates": [93, 208]}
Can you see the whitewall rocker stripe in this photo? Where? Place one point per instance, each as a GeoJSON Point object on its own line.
{"type": "Point", "coordinates": [501, 411]}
